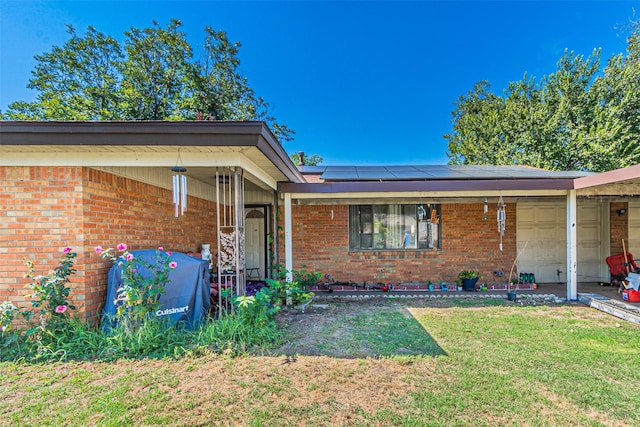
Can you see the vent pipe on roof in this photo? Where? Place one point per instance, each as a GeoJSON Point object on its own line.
{"type": "Point", "coordinates": [300, 158]}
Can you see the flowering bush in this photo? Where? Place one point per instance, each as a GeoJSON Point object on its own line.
{"type": "Point", "coordinates": [8, 336]}
{"type": "Point", "coordinates": [8, 312]}
{"type": "Point", "coordinates": [143, 281]}
{"type": "Point", "coordinates": [50, 291]}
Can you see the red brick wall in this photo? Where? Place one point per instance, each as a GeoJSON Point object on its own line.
{"type": "Point", "coordinates": [45, 209]}
{"type": "Point", "coordinates": [619, 227]}
{"type": "Point", "coordinates": [40, 215]}
{"type": "Point", "coordinates": [468, 242]}
{"type": "Point", "coordinates": [118, 209]}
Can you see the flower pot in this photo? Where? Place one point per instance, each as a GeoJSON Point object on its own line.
{"type": "Point", "coordinates": [430, 288]}
{"type": "Point", "coordinates": [511, 295]}
{"type": "Point", "coordinates": [459, 288]}
{"type": "Point", "coordinates": [469, 284]}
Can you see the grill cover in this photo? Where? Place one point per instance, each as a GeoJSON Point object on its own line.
{"type": "Point", "coordinates": [186, 299]}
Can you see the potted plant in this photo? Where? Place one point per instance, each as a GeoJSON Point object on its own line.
{"type": "Point", "coordinates": [467, 279]}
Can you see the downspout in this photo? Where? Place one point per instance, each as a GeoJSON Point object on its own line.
{"type": "Point", "coordinates": [572, 246]}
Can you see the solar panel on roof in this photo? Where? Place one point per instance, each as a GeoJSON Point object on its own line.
{"type": "Point", "coordinates": [375, 174]}
{"type": "Point", "coordinates": [439, 172]}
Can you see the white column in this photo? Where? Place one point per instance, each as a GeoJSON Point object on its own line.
{"type": "Point", "coordinates": [572, 246]}
{"type": "Point", "coordinates": [288, 240]}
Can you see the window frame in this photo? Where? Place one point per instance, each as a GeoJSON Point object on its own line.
{"type": "Point", "coordinates": [395, 227]}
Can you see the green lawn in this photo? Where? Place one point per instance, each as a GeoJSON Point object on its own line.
{"type": "Point", "coordinates": [458, 365]}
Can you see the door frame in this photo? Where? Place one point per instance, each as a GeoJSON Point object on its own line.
{"type": "Point", "coordinates": [266, 209]}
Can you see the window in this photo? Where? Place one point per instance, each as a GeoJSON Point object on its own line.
{"type": "Point", "coordinates": [379, 227]}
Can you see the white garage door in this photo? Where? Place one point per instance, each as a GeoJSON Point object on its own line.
{"type": "Point", "coordinates": [541, 230]}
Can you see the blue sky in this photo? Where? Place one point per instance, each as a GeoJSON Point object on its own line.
{"type": "Point", "coordinates": [361, 82]}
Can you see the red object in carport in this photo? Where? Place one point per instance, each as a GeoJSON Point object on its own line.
{"type": "Point", "coordinates": [619, 266]}
{"type": "Point", "coordinates": [631, 295]}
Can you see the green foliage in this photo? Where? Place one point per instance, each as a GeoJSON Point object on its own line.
{"type": "Point", "coordinates": [78, 81]}
{"type": "Point", "coordinates": [257, 311]}
{"type": "Point", "coordinates": [156, 71]}
{"type": "Point", "coordinates": [302, 277]}
{"type": "Point", "coordinates": [8, 312]}
{"type": "Point", "coordinates": [288, 293]}
{"type": "Point", "coordinates": [154, 338]}
{"type": "Point", "coordinates": [143, 282]}
{"type": "Point", "coordinates": [51, 299]}
{"type": "Point", "coordinates": [577, 118]}
{"type": "Point", "coordinates": [58, 336]}
{"type": "Point", "coordinates": [9, 336]}
{"type": "Point", "coordinates": [51, 294]}
{"type": "Point", "coordinates": [309, 160]}
{"type": "Point", "coordinates": [151, 75]}
{"type": "Point", "coordinates": [467, 274]}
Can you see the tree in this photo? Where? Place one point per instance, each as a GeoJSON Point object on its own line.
{"type": "Point", "coordinates": [577, 118]}
{"type": "Point", "coordinates": [78, 81]}
{"type": "Point", "coordinates": [156, 72]}
{"type": "Point", "coordinates": [151, 76]}
{"type": "Point", "coordinates": [309, 160]}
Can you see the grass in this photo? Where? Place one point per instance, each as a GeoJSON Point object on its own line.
{"type": "Point", "coordinates": [433, 366]}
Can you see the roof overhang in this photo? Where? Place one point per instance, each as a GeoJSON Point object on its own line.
{"type": "Point", "coordinates": [613, 185]}
{"type": "Point", "coordinates": [203, 145]}
{"type": "Point", "coordinates": [430, 189]}
{"type": "Point", "coordinates": [623, 182]}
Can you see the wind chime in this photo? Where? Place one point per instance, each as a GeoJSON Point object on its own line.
{"type": "Point", "coordinates": [502, 218]}
{"type": "Point", "coordinates": [422, 213]}
{"type": "Point", "coordinates": [179, 187]}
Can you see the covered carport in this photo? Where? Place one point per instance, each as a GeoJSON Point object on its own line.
{"type": "Point", "coordinates": [618, 192]}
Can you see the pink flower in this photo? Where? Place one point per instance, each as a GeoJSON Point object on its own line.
{"type": "Point", "coordinates": [129, 257]}
{"type": "Point", "coordinates": [135, 270]}
{"type": "Point", "coordinates": [67, 250]}
{"type": "Point", "coordinates": [122, 247]}
{"type": "Point", "coordinates": [160, 248]}
{"type": "Point", "coordinates": [61, 309]}
{"type": "Point", "coordinates": [169, 253]}
{"type": "Point", "coordinates": [98, 250]}
{"type": "Point", "coordinates": [173, 264]}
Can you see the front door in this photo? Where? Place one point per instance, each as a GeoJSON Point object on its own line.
{"type": "Point", "coordinates": [255, 242]}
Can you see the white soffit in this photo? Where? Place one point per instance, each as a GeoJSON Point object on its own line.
{"type": "Point", "coordinates": [201, 161]}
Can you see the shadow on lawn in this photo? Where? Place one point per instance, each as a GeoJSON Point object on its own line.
{"type": "Point", "coordinates": [356, 330]}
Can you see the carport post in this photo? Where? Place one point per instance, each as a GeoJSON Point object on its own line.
{"type": "Point", "coordinates": [572, 246]}
{"type": "Point", "coordinates": [288, 250]}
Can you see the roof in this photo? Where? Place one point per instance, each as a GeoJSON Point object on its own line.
{"type": "Point", "coordinates": [435, 173]}
{"type": "Point", "coordinates": [329, 182]}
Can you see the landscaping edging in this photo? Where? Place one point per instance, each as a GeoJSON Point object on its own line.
{"type": "Point", "coordinates": [550, 298]}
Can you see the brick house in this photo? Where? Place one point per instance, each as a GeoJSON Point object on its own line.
{"type": "Point", "coordinates": [83, 184]}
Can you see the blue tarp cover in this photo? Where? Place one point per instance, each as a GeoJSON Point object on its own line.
{"type": "Point", "coordinates": [187, 292]}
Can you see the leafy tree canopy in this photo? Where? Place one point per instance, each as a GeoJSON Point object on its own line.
{"type": "Point", "coordinates": [151, 75]}
{"type": "Point", "coordinates": [309, 160]}
{"type": "Point", "coordinates": [578, 118]}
